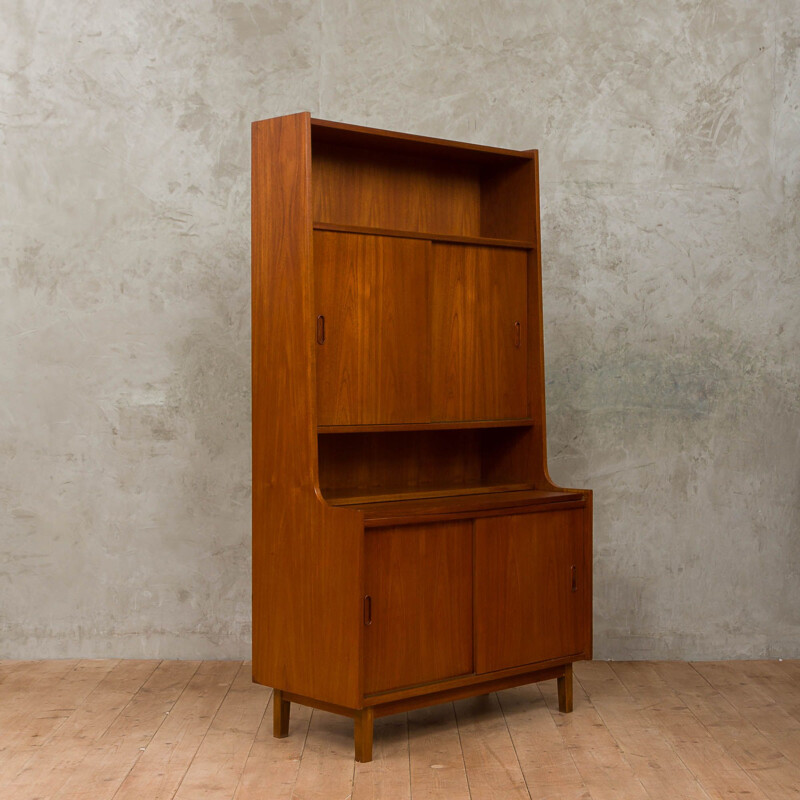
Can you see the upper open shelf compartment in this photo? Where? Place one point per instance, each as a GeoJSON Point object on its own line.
{"type": "Point", "coordinates": [402, 184]}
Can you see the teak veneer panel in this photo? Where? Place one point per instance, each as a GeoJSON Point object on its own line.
{"type": "Point", "coordinates": [344, 497]}
{"type": "Point", "coordinates": [405, 511]}
{"type": "Point", "coordinates": [419, 588]}
{"type": "Point", "coordinates": [394, 143]}
{"type": "Point", "coordinates": [354, 463]}
{"type": "Point", "coordinates": [487, 241]}
{"type": "Point", "coordinates": [308, 640]}
{"type": "Point", "coordinates": [373, 294]}
{"type": "Point", "coordinates": [358, 187]}
{"type": "Point", "coordinates": [530, 585]}
{"type": "Point", "coordinates": [478, 333]}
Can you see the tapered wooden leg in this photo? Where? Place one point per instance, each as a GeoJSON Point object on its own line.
{"type": "Point", "coordinates": [565, 691]}
{"type": "Point", "coordinates": [280, 715]}
{"type": "Point", "coordinates": [363, 734]}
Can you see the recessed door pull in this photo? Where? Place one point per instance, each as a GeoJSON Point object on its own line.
{"type": "Point", "coordinates": [320, 329]}
{"type": "Point", "coordinates": [574, 572]}
{"type": "Point", "coordinates": [368, 610]}
{"type": "Point", "coordinates": [517, 334]}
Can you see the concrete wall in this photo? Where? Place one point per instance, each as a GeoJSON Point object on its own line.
{"type": "Point", "coordinates": [670, 148]}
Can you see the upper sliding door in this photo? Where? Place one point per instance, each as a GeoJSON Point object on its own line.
{"type": "Point", "coordinates": [373, 335]}
{"type": "Point", "coordinates": [478, 333]}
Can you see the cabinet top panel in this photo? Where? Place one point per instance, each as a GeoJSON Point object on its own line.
{"type": "Point", "coordinates": [411, 144]}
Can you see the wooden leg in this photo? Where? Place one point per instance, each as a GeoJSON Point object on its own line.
{"type": "Point", "coordinates": [565, 691]}
{"type": "Point", "coordinates": [280, 715]}
{"type": "Point", "coordinates": [363, 735]}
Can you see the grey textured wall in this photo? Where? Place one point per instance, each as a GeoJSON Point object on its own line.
{"type": "Point", "coordinates": [670, 146]}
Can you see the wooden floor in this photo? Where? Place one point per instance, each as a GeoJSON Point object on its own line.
{"type": "Point", "coordinates": [148, 730]}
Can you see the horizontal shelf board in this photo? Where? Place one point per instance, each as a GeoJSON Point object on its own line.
{"type": "Point", "coordinates": [348, 497]}
{"type": "Point", "coordinates": [428, 426]}
{"type": "Point", "coordinates": [483, 241]}
{"type": "Point", "coordinates": [399, 512]}
{"type": "Point", "coordinates": [411, 144]}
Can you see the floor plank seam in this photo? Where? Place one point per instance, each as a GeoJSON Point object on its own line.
{"type": "Point", "coordinates": [664, 738]}
{"type": "Point", "coordinates": [155, 732]}
{"type": "Point", "coordinates": [702, 780]}
{"type": "Point", "coordinates": [211, 722]}
{"type": "Point", "coordinates": [620, 748]}
{"type": "Point", "coordinates": [461, 749]}
{"type": "Point", "coordinates": [513, 745]}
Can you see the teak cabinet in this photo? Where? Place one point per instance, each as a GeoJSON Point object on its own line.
{"type": "Point", "coordinates": [409, 546]}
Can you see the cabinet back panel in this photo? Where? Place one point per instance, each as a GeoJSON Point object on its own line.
{"type": "Point", "coordinates": [417, 459]}
{"type": "Point", "coordinates": [351, 186]}
{"type": "Point", "coordinates": [372, 463]}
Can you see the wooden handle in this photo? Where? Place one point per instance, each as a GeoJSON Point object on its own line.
{"type": "Point", "coordinates": [517, 334]}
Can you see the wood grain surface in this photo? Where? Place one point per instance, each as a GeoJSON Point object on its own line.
{"type": "Point", "coordinates": [160, 730]}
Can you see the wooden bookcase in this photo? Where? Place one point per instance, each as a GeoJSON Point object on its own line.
{"type": "Point", "coordinates": [409, 547]}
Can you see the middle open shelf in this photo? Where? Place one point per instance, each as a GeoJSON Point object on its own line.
{"type": "Point", "coordinates": [351, 497]}
{"type": "Point", "coordinates": [448, 466]}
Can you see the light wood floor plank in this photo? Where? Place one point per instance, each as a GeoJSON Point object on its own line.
{"type": "Point", "coordinates": [327, 764]}
{"type": "Point", "coordinates": [717, 771]}
{"type": "Point", "coordinates": [546, 762]}
{"type": "Point", "coordinates": [160, 769]}
{"type": "Point", "coordinates": [493, 771]}
{"type": "Point", "coordinates": [755, 704]}
{"type": "Point", "coordinates": [44, 694]}
{"type": "Point", "coordinates": [106, 765]}
{"type": "Point", "coordinates": [780, 679]}
{"type": "Point", "coordinates": [436, 761]}
{"type": "Point", "coordinates": [651, 756]}
{"type": "Point", "coordinates": [36, 701]}
{"type": "Point", "coordinates": [219, 761]}
{"type": "Point", "coordinates": [134, 730]}
{"type": "Point", "coordinates": [768, 768]}
{"type": "Point", "coordinates": [8, 667]}
{"type": "Point", "coordinates": [388, 775]}
{"type": "Point", "coordinates": [270, 771]}
{"type": "Point", "coordinates": [597, 755]}
{"type": "Point", "coordinates": [47, 769]}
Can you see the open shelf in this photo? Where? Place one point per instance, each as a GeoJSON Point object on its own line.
{"type": "Point", "coordinates": [486, 241]}
{"type": "Point", "coordinates": [370, 182]}
{"type": "Point", "coordinates": [345, 497]}
{"type": "Point", "coordinates": [428, 426]}
{"type": "Point", "coordinates": [327, 131]}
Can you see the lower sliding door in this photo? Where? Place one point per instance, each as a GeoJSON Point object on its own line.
{"type": "Point", "coordinates": [530, 589]}
{"type": "Point", "coordinates": [418, 608]}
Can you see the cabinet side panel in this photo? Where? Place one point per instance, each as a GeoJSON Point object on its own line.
{"type": "Point", "coordinates": [307, 558]}
{"type": "Point", "coordinates": [507, 202]}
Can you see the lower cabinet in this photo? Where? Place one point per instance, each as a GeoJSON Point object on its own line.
{"type": "Point", "coordinates": [530, 589]}
{"type": "Point", "coordinates": [418, 608]}
{"type": "Point", "coordinates": [474, 596]}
